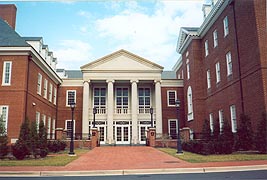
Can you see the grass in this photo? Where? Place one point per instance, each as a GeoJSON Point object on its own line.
{"type": "Point", "coordinates": [59, 159]}
{"type": "Point", "coordinates": [197, 158]}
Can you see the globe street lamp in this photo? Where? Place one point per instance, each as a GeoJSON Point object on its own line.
{"type": "Point", "coordinates": [179, 145]}
{"type": "Point", "coordinates": [151, 114]}
{"type": "Point", "coordinates": [72, 106]}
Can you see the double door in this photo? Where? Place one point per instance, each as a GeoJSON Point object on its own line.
{"type": "Point", "coordinates": [122, 134]}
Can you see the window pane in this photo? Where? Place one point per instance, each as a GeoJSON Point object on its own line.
{"type": "Point", "coordinates": [96, 92]}
{"type": "Point", "coordinates": [141, 100]}
{"type": "Point", "coordinates": [141, 92]}
{"type": "Point", "coordinates": [103, 92]}
{"type": "Point", "coordinates": [118, 91]}
{"type": "Point", "coordinates": [125, 92]}
{"type": "Point", "coordinates": [147, 92]}
{"type": "Point", "coordinates": [147, 101]}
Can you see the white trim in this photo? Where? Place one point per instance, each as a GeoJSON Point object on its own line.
{"type": "Point", "coordinates": [218, 72]}
{"type": "Point", "coordinates": [188, 69]}
{"type": "Point", "coordinates": [221, 120]}
{"type": "Point", "coordinates": [6, 119]}
{"type": "Point", "coordinates": [53, 128]}
{"type": "Point", "coordinates": [172, 83]}
{"type": "Point", "coordinates": [208, 79]}
{"type": "Point", "coordinates": [169, 129]}
{"type": "Point", "coordinates": [190, 113]}
{"type": "Point", "coordinates": [211, 122]}
{"type": "Point", "coordinates": [39, 84]}
{"type": "Point", "coordinates": [37, 119]}
{"type": "Point", "coordinates": [233, 118]}
{"type": "Point", "coordinates": [215, 38]}
{"type": "Point", "coordinates": [128, 100]}
{"type": "Point", "coordinates": [175, 97]}
{"type": "Point", "coordinates": [48, 127]}
{"type": "Point", "coordinates": [206, 48]}
{"type": "Point", "coordinates": [229, 63]}
{"type": "Point", "coordinates": [45, 88]}
{"type": "Point", "coordinates": [225, 26]}
{"type": "Point", "coordinates": [73, 125]}
{"type": "Point", "coordinates": [4, 73]}
{"type": "Point", "coordinates": [55, 96]}
{"type": "Point", "coordinates": [50, 92]}
{"type": "Point", "coordinates": [67, 96]}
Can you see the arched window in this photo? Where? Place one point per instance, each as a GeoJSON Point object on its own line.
{"type": "Point", "coordinates": [189, 104]}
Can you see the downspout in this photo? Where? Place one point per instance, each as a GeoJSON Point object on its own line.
{"type": "Point", "coordinates": [232, 2]}
{"type": "Point", "coordinates": [27, 86]}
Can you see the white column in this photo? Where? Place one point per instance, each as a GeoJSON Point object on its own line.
{"type": "Point", "coordinates": [158, 107]}
{"type": "Point", "coordinates": [110, 110]}
{"type": "Point", "coordinates": [85, 119]}
{"type": "Point", "coordinates": [134, 111]}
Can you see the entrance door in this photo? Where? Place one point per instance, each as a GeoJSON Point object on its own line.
{"type": "Point", "coordinates": [122, 134]}
{"type": "Point", "coordinates": [143, 133]}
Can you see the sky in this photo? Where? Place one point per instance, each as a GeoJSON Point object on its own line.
{"type": "Point", "coordinates": [79, 32]}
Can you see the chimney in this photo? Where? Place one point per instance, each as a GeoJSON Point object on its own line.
{"type": "Point", "coordinates": [206, 10]}
{"type": "Point", "coordinates": [8, 14]}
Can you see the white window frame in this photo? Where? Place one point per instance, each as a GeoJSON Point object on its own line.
{"type": "Point", "coordinates": [101, 109]}
{"type": "Point", "coordinates": [206, 48]}
{"type": "Point", "coordinates": [218, 72]}
{"type": "Point", "coordinates": [5, 70]}
{"type": "Point", "coordinates": [190, 104]}
{"type": "Point", "coordinates": [48, 127]}
{"type": "Point", "coordinates": [44, 119]}
{"type": "Point", "coordinates": [221, 120]}
{"type": "Point", "coordinates": [37, 119]}
{"type": "Point", "coordinates": [225, 26]}
{"type": "Point", "coordinates": [53, 128]}
{"type": "Point", "coordinates": [67, 93]}
{"type": "Point", "coordinates": [211, 122]}
{"type": "Point", "coordinates": [50, 92]}
{"type": "Point", "coordinates": [233, 118]}
{"type": "Point", "coordinates": [45, 88]}
{"type": "Point", "coordinates": [229, 63]}
{"type": "Point", "coordinates": [208, 79]}
{"type": "Point", "coordinates": [169, 127]}
{"type": "Point", "coordinates": [5, 119]}
{"type": "Point", "coordinates": [215, 38]}
{"type": "Point", "coordinates": [168, 96]}
{"type": "Point", "coordinates": [73, 125]}
{"type": "Point", "coordinates": [55, 95]}
{"type": "Point", "coordinates": [188, 69]}
{"type": "Point", "coordinates": [144, 109]}
{"type": "Point", "coordinates": [39, 84]}
{"type": "Point", "coordinates": [123, 109]}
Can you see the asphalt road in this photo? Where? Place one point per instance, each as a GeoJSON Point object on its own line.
{"type": "Point", "coordinates": [244, 175]}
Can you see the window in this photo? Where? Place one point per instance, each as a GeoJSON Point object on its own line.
{"type": "Point", "coordinates": [229, 63]}
{"type": "Point", "coordinates": [215, 38]}
{"type": "Point", "coordinates": [45, 88]}
{"type": "Point", "coordinates": [55, 95]}
{"type": "Point", "coordinates": [6, 81]}
{"type": "Point", "coordinates": [218, 73]}
{"type": "Point", "coordinates": [4, 115]}
{"type": "Point", "coordinates": [182, 74]}
{"type": "Point", "coordinates": [122, 100]}
{"type": "Point", "coordinates": [225, 26]}
{"type": "Point", "coordinates": [37, 118]}
{"type": "Point", "coordinates": [206, 48]}
{"type": "Point", "coordinates": [188, 69]}
{"type": "Point", "coordinates": [39, 84]}
{"type": "Point", "coordinates": [50, 92]}
{"type": "Point", "coordinates": [71, 97]}
{"type": "Point", "coordinates": [48, 127]}
{"type": "Point", "coordinates": [208, 79]}
{"type": "Point", "coordinates": [100, 100]}
{"type": "Point", "coordinates": [68, 127]}
{"type": "Point", "coordinates": [44, 119]}
{"type": "Point", "coordinates": [173, 128]}
{"type": "Point", "coordinates": [53, 128]}
{"type": "Point", "coordinates": [233, 118]}
{"type": "Point", "coordinates": [211, 122]}
{"type": "Point", "coordinates": [144, 100]}
{"type": "Point", "coordinates": [171, 98]}
{"type": "Point", "coordinates": [189, 104]}
{"type": "Point", "coordinates": [221, 120]}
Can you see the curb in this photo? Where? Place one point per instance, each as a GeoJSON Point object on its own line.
{"type": "Point", "coordinates": [131, 171]}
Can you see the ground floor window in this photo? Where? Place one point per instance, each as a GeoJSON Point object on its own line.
{"type": "Point", "coordinates": [4, 115]}
{"type": "Point", "coordinates": [68, 127]}
{"type": "Point", "coordinates": [173, 128]}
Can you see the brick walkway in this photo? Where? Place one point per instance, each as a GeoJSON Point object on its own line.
{"type": "Point", "coordinates": [122, 158]}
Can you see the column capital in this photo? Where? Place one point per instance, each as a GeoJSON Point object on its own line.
{"type": "Point", "coordinates": [110, 80]}
{"type": "Point", "coordinates": [134, 81]}
{"type": "Point", "coordinates": [157, 81]}
{"type": "Point", "coordinates": [87, 82]}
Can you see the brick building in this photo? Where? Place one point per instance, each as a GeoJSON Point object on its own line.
{"type": "Point", "coordinates": [221, 73]}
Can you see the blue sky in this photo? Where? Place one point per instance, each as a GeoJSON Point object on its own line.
{"type": "Point", "coordinates": [79, 32]}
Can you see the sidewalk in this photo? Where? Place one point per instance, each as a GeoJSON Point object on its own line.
{"type": "Point", "coordinates": [130, 160]}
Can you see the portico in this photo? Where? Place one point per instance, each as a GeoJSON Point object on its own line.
{"type": "Point", "coordinates": [123, 87]}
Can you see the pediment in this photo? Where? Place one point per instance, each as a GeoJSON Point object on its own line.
{"type": "Point", "coordinates": [122, 60]}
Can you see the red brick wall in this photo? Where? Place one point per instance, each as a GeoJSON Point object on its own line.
{"type": "Point", "coordinates": [64, 112]}
{"type": "Point", "coordinates": [8, 13]}
{"type": "Point", "coordinates": [169, 112]}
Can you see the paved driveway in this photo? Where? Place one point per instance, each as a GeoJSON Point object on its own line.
{"type": "Point", "coordinates": [125, 157]}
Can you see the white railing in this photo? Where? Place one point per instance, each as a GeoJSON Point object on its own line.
{"type": "Point", "coordinates": [122, 111]}
{"type": "Point", "coordinates": [144, 110]}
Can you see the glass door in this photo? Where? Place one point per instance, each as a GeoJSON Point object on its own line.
{"type": "Point", "coordinates": [122, 134]}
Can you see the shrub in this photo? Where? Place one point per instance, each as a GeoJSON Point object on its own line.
{"type": "Point", "coordinates": [3, 139]}
{"type": "Point", "coordinates": [43, 140]}
{"type": "Point", "coordinates": [56, 146]}
{"type": "Point", "coordinates": [34, 140]}
{"type": "Point", "coordinates": [206, 132]}
{"type": "Point", "coordinates": [20, 150]}
{"type": "Point", "coordinates": [261, 135]}
{"type": "Point", "coordinates": [226, 139]}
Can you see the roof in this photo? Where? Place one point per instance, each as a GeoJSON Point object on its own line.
{"type": "Point", "coordinates": [9, 37]}
{"type": "Point", "coordinates": [32, 38]}
{"type": "Point", "coordinates": [74, 74]}
{"type": "Point", "coordinates": [168, 75]}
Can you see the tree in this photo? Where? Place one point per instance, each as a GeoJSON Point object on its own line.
{"type": "Point", "coordinates": [206, 132]}
{"type": "Point", "coordinates": [34, 139]}
{"type": "Point", "coordinates": [244, 139]}
{"type": "Point", "coordinates": [3, 139]}
{"type": "Point", "coordinates": [43, 140]}
{"type": "Point", "coordinates": [226, 139]}
{"type": "Point", "coordinates": [261, 135]}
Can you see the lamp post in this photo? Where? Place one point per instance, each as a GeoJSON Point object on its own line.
{"type": "Point", "coordinates": [179, 145]}
{"type": "Point", "coordinates": [151, 114]}
{"type": "Point", "coordinates": [72, 106]}
{"type": "Point", "coordinates": [94, 112]}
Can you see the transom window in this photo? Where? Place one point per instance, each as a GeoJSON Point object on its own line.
{"type": "Point", "coordinates": [171, 98]}
{"type": "Point", "coordinates": [7, 73]}
{"type": "Point", "coordinates": [100, 100]}
{"type": "Point", "coordinates": [122, 98]}
{"type": "Point", "coordinates": [71, 97]}
{"type": "Point", "coordinates": [144, 100]}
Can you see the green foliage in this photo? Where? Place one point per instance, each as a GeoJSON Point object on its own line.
{"type": "Point", "coordinates": [3, 139]}
{"type": "Point", "coordinates": [226, 139]}
{"type": "Point", "coordinates": [206, 132]}
{"type": "Point", "coordinates": [43, 140]}
{"type": "Point", "coordinates": [56, 146]}
{"type": "Point", "coordinates": [261, 135]}
{"type": "Point", "coordinates": [244, 140]}
{"type": "Point", "coordinates": [34, 140]}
